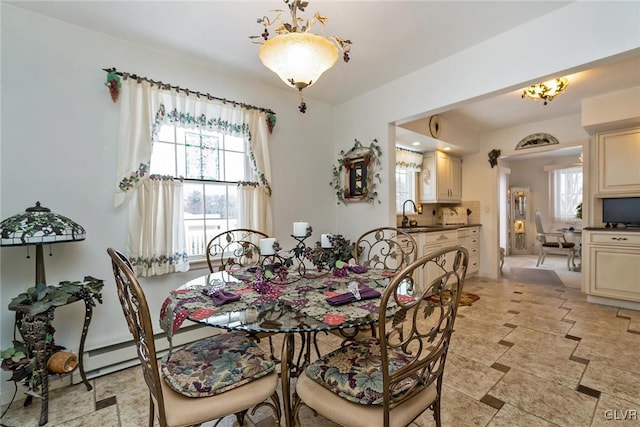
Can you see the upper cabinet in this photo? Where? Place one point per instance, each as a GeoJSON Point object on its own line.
{"type": "Point", "coordinates": [440, 178]}
{"type": "Point", "coordinates": [618, 162]}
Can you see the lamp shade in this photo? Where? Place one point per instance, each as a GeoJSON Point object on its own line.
{"type": "Point", "coordinates": [299, 59]}
{"type": "Point", "coordinates": [38, 225]}
{"type": "Point", "coordinates": [546, 90]}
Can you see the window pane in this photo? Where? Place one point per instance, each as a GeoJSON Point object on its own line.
{"type": "Point", "coordinates": [234, 166]}
{"type": "Point", "coordinates": [233, 143]}
{"type": "Point", "coordinates": [163, 159]}
{"type": "Point", "coordinates": [211, 167]}
{"type": "Point", "coordinates": [216, 204]}
{"type": "Point", "coordinates": [567, 189]}
{"type": "Point", "coordinates": [193, 201]}
{"type": "Point", "coordinates": [195, 237]}
{"type": "Point", "coordinates": [215, 226]}
{"type": "Point", "coordinates": [405, 186]}
{"type": "Point", "coordinates": [210, 207]}
{"type": "Point", "coordinates": [167, 133]}
{"type": "Point", "coordinates": [180, 135]}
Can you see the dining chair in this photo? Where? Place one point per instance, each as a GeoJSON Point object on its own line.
{"type": "Point", "coordinates": [553, 242]}
{"type": "Point", "coordinates": [386, 248]}
{"type": "Point", "coordinates": [209, 379]}
{"type": "Point", "coordinates": [391, 380]}
{"type": "Point", "coordinates": [236, 247]}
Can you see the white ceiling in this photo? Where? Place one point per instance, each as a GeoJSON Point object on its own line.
{"type": "Point", "coordinates": [390, 39]}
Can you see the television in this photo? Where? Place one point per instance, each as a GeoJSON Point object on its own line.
{"type": "Point", "coordinates": [624, 210]}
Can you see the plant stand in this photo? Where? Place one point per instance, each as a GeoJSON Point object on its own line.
{"type": "Point", "coordinates": [33, 329]}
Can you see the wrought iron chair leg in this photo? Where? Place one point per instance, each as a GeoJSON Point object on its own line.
{"type": "Point", "coordinates": [436, 412]}
{"type": "Point", "coordinates": [240, 417]}
{"type": "Point", "coordinates": [151, 411]}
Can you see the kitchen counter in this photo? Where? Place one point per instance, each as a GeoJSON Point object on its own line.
{"type": "Point", "coordinates": [434, 228]}
{"type": "Point", "coordinates": [612, 229]}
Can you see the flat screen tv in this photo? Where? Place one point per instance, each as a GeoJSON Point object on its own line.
{"type": "Point", "coordinates": [625, 210]}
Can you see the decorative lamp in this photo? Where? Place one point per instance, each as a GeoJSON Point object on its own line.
{"type": "Point", "coordinates": [546, 90]}
{"type": "Point", "coordinates": [39, 226]}
{"type": "Point", "coordinates": [296, 55]}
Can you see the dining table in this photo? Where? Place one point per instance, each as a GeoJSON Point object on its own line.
{"type": "Point", "coordinates": [243, 299]}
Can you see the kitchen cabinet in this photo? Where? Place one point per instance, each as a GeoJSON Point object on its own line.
{"type": "Point", "coordinates": [611, 260]}
{"type": "Point", "coordinates": [469, 238]}
{"type": "Point", "coordinates": [618, 163]}
{"type": "Point", "coordinates": [432, 242]}
{"type": "Point", "coordinates": [440, 178]}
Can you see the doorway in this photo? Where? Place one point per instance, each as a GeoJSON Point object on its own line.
{"type": "Point", "coordinates": [536, 172]}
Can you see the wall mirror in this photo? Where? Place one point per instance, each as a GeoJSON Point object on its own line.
{"type": "Point", "coordinates": [356, 173]}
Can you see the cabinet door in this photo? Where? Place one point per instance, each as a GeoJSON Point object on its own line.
{"type": "Point", "coordinates": [443, 178]}
{"type": "Point", "coordinates": [455, 175]}
{"type": "Point", "coordinates": [614, 272]}
{"type": "Point", "coordinates": [618, 162]}
{"type": "Point", "coordinates": [428, 178]}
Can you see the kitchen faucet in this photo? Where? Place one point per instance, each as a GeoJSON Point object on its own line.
{"type": "Point", "coordinates": [405, 220]}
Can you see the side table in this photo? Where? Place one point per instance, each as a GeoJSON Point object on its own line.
{"type": "Point", "coordinates": [34, 329]}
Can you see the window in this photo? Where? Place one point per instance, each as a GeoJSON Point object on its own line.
{"type": "Point", "coordinates": [405, 186]}
{"type": "Point", "coordinates": [566, 192]}
{"type": "Point", "coordinates": [211, 164]}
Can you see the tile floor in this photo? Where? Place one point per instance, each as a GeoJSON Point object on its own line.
{"type": "Point", "coordinates": [525, 354]}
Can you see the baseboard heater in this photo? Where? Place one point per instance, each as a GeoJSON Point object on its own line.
{"type": "Point", "coordinates": [105, 360]}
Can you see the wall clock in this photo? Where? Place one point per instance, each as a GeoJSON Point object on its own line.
{"type": "Point", "coordinates": [434, 126]}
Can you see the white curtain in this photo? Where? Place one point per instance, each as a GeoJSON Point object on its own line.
{"type": "Point", "coordinates": [407, 159]}
{"type": "Point", "coordinates": [138, 105]}
{"type": "Point", "coordinates": [144, 107]}
{"type": "Point", "coordinates": [254, 197]}
{"type": "Point", "coordinates": [156, 228]}
{"type": "Point", "coordinates": [254, 208]}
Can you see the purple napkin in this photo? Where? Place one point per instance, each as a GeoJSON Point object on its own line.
{"type": "Point", "coordinates": [348, 297]}
{"type": "Point", "coordinates": [359, 269]}
{"type": "Point", "coordinates": [220, 296]}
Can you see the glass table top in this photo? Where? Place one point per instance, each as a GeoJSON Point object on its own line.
{"type": "Point", "coordinates": [297, 306]}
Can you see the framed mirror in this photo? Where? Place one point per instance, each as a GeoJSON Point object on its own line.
{"type": "Point", "coordinates": [356, 174]}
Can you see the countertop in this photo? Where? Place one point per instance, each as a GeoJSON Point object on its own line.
{"type": "Point", "coordinates": [435, 228]}
{"type": "Point", "coordinates": [613, 229]}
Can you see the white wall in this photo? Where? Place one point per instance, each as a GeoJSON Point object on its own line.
{"type": "Point", "coordinates": [59, 136]}
{"type": "Point", "coordinates": [587, 31]}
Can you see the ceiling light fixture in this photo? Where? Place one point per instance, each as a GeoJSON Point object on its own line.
{"type": "Point", "coordinates": [546, 90]}
{"type": "Point", "coordinates": [296, 55]}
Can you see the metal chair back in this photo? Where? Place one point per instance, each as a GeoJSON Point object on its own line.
{"type": "Point", "coordinates": [420, 330]}
{"type": "Point", "coordinates": [386, 248]}
{"type": "Point", "coordinates": [136, 312]}
{"type": "Point", "coordinates": [237, 247]}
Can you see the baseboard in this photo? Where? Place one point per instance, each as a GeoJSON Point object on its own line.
{"type": "Point", "coordinates": [630, 305]}
{"type": "Point", "coordinates": [112, 358]}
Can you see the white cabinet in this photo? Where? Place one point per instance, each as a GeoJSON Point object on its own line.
{"type": "Point", "coordinates": [432, 242]}
{"type": "Point", "coordinates": [428, 178]}
{"type": "Point", "coordinates": [469, 238]}
{"type": "Point", "coordinates": [441, 178]}
{"type": "Point", "coordinates": [618, 162]}
{"type": "Point", "coordinates": [612, 262]}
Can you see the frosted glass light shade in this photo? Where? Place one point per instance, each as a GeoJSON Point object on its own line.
{"type": "Point", "coordinates": [299, 59]}
{"type": "Point", "coordinates": [546, 90]}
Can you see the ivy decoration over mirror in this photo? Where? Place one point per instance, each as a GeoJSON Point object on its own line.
{"type": "Point", "coordinates": [356, 173]}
